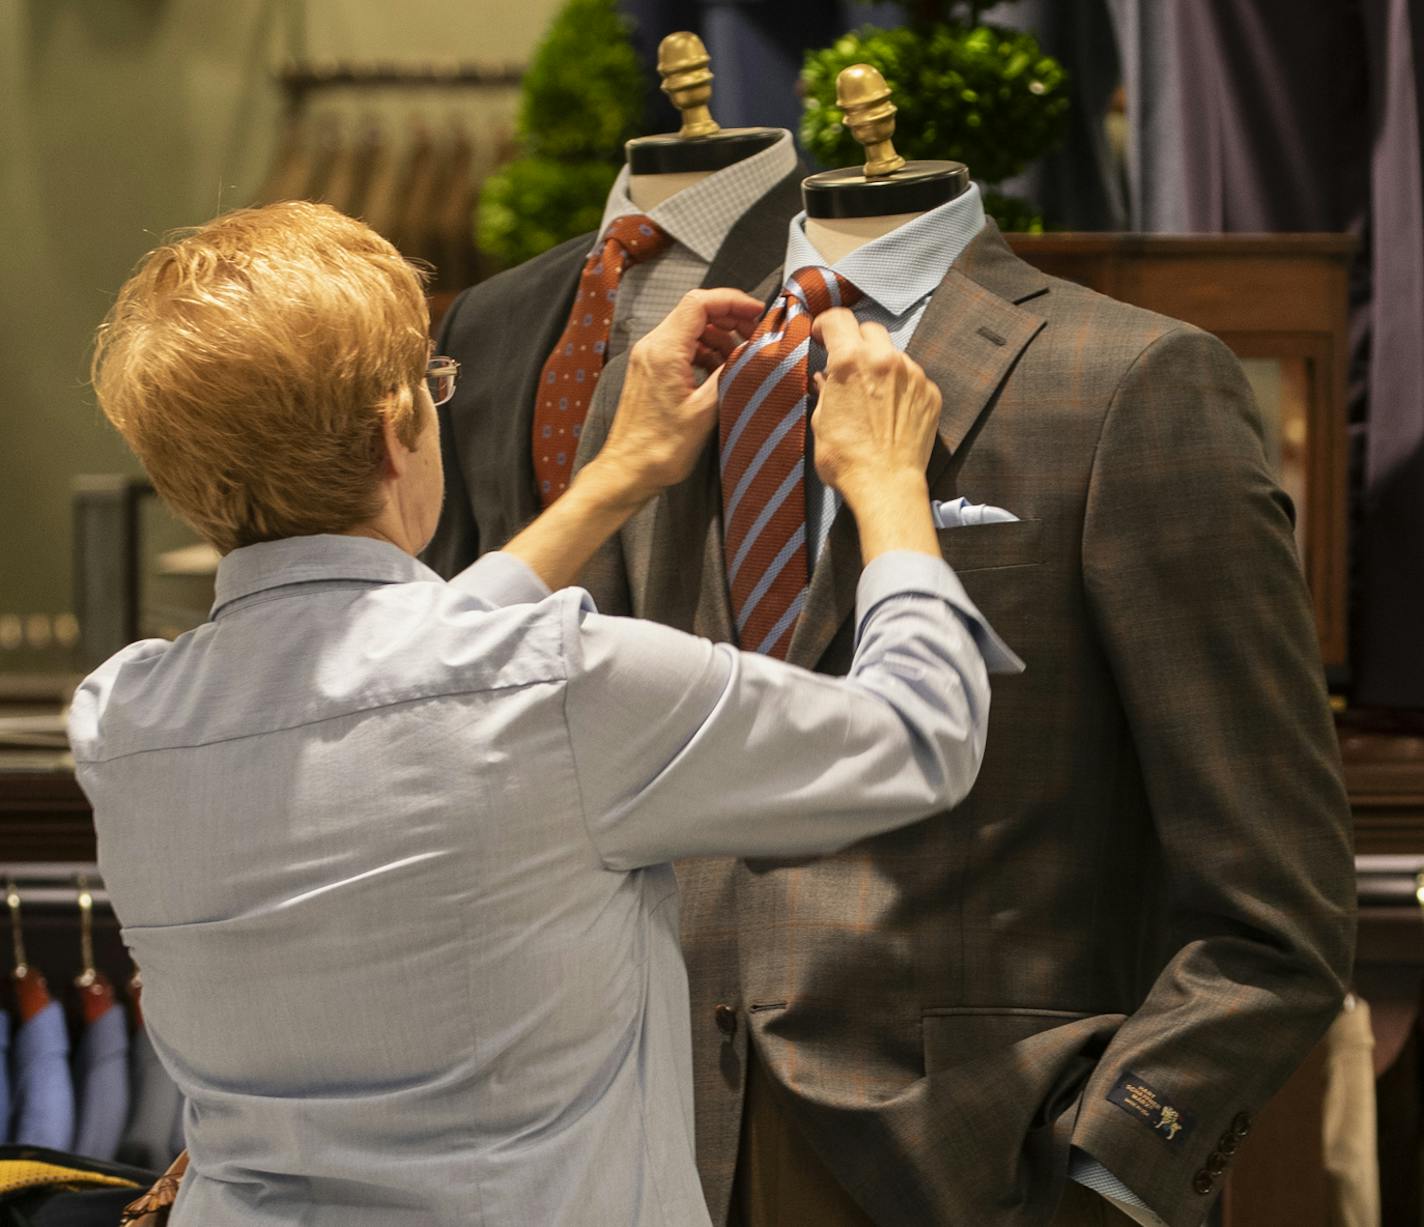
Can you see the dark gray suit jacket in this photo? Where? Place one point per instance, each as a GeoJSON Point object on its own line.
{"type": "Point", "coordinates": [501, 332]}
{"type": "Point", "coordinates": [1143, 915]}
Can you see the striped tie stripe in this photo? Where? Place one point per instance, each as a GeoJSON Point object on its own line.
{"type": "Point", "coordinates": [762, 449]}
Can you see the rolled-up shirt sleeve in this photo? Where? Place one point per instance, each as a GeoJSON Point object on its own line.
{"type": "Point", "coordinates": [688, 748]}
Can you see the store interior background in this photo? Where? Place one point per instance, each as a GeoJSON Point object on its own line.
{"type": "Point", "coordinates": [120, 120]}
{"type": "Point", "coordinates": [123, 119]}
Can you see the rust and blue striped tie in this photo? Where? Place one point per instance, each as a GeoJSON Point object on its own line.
{"type": "Point", "coordinates": [762, 417]}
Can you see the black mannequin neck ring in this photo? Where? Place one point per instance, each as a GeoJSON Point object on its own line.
{"type": "Point", "coordinates": [917, 188]}
{"type": "Point", "coordinates": [676, 155]}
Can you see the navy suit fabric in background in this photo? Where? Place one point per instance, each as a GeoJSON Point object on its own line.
{"type": "Point", "coordinates": [4, 1075]}
{"type": "Point", "coordinates": [1294, 124]}
{"type": "Point", "coordinates": [756, 46]}
{"type": "Point", "coordinates": [44, 1090]}
{"type": "Point", "coordinates": [101, 1084]}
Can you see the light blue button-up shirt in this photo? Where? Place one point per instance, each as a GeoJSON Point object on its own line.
{"type": "Point", "coordinates": [391, 853]}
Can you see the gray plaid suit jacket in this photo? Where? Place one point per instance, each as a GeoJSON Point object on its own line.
{"type": "Point", "coordinates": [501, 332]}
{"type": "Point", "coordinates": [1142, 918]}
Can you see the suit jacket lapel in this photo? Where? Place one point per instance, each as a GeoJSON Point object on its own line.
{"type": "Point", "coordinates": [968, 340]}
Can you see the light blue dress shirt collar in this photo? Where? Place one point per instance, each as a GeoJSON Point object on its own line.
{"type": "Point", "coordinates": [902, 268]}
{"type": "Point", "coordinates": [495, 580]}
{"type": "Point", "coordinates": [897, 273]}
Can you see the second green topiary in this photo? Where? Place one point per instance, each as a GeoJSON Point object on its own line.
{"type": "Point", "coordinates": [982, 95]}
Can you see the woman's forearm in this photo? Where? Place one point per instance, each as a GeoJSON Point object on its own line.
{"type": "Point", "coordinates": [596, 505]}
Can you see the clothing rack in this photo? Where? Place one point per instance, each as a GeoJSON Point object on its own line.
{"type": "Point", "coordinates": [53, 885]}
{"type": "Point", "coordinates": [301, 78]}
{"type": "Point", "coordinates": [410, 168]}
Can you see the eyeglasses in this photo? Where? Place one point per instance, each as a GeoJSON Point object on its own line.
{"type": "Point", "coordinates": [441, 375]}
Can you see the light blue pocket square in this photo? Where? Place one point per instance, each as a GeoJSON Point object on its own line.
{"type": "Point", "coordinates": [961, 513]}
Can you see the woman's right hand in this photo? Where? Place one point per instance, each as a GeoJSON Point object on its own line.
{"type": "Point", "coordinates": [875, 424]}
{"type": "Point", "coordinates": [664, 416]}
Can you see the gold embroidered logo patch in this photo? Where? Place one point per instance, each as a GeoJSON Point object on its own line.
{"type": "Point", "coordinates": [1135, 1096]}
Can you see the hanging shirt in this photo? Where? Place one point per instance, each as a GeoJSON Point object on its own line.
{"type": "Point", "coordinates": [698, 219]}
{"type": "Point", "coordinates": [101, 1084]}
{"type": "Point", "coordinates": [43, 1089]}
{"type": "Point", "coordinates": [4, 1076]}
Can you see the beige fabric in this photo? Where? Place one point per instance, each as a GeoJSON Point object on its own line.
{"type": "Point", "coordinates": [1351, 1156]}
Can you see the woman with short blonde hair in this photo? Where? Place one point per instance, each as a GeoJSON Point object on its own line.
{"type": "Point", "coordinates": [391, 852]}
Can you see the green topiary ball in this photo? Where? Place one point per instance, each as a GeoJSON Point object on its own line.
{"type": "Point", "coordinates": [583, 93]}
{"type": "Point", "coordinates": [983, 95]}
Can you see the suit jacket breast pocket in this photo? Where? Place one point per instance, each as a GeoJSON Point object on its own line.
{"type": "Point", "coordinates": [984, 547]}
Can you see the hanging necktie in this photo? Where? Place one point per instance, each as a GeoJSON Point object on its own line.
{"type": "Point", "coordinates": [569, 376]}
{"type": "Point", "coordinates": [762, 417]}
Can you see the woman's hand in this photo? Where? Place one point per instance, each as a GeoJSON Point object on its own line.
{"type": "Point", "coordinates": [661, 424]}
{"type": "Point", "coordinates": [664, 417]}
{"type": "Point", "coordinates": [875, 424]}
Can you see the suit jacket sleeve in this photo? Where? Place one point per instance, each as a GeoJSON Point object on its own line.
{"type": "Point", "coordinates": [1192, 576]}
{"type": "Point", "coordinates": [456, 543]}
{"type": "Point", "coordinates": [606, 575]}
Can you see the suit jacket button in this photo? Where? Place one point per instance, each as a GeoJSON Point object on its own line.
{"type": "Point", "coordinates": [1241, 1125]}
{"type": "Point", "coordinates": [726, 1018]}
{"type": "Point", "coordinates": [1229, 1143]}
{"type": "Point", "coordinates": [1215, 1163]}
{"type": "Point", "coordinates": [1201, 1182]}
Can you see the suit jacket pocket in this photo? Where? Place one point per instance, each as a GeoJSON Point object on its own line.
{"type": "Point", "coordinates": [982, 547]}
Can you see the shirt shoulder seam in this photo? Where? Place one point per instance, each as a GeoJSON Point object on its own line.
{"type": "Point", "coordinates": [301, 724]}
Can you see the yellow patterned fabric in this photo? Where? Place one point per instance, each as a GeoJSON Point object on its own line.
{"type": "Point", "coordinates": [16, 1175]}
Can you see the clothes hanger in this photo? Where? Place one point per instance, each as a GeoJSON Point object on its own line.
{"type": "Point", "coordinates": [31, 991]}
{"type": "Point", "coordinates": [887, 184]}
{"type": "Point", "coordinates": [96, 993]}
{"type": "Point", "coordinates": [702, 145]}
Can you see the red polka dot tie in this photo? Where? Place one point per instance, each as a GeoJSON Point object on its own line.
{"type": "Point", "coordinates": [571, 373]}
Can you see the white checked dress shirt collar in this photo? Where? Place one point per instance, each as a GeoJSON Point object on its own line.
{"type": "Point", "coordinates": [698, 219]}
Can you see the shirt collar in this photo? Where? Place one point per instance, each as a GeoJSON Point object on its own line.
{"type": "Point", "coordinates": [304, 560]}
{"type": "Point", "coordinates": [902, 267]}
{"type": "Point", "coordinates": [701, 216]}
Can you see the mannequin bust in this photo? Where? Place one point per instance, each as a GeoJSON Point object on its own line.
{"type": "Point", "coordinates": [845, 209]}
{"type": "Point", "coordinates": [662, 166]}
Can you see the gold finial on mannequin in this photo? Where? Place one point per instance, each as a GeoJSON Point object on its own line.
{"type": "Point", "coordinates": [682, 64]}
{"type": "Point", "coordinates": [862, 94]}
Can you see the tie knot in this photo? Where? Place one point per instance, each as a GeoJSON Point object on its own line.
{"type": "Point", "coordinates": [638, 235]}
{"type": "Point", "coordinates": [819, 289]}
